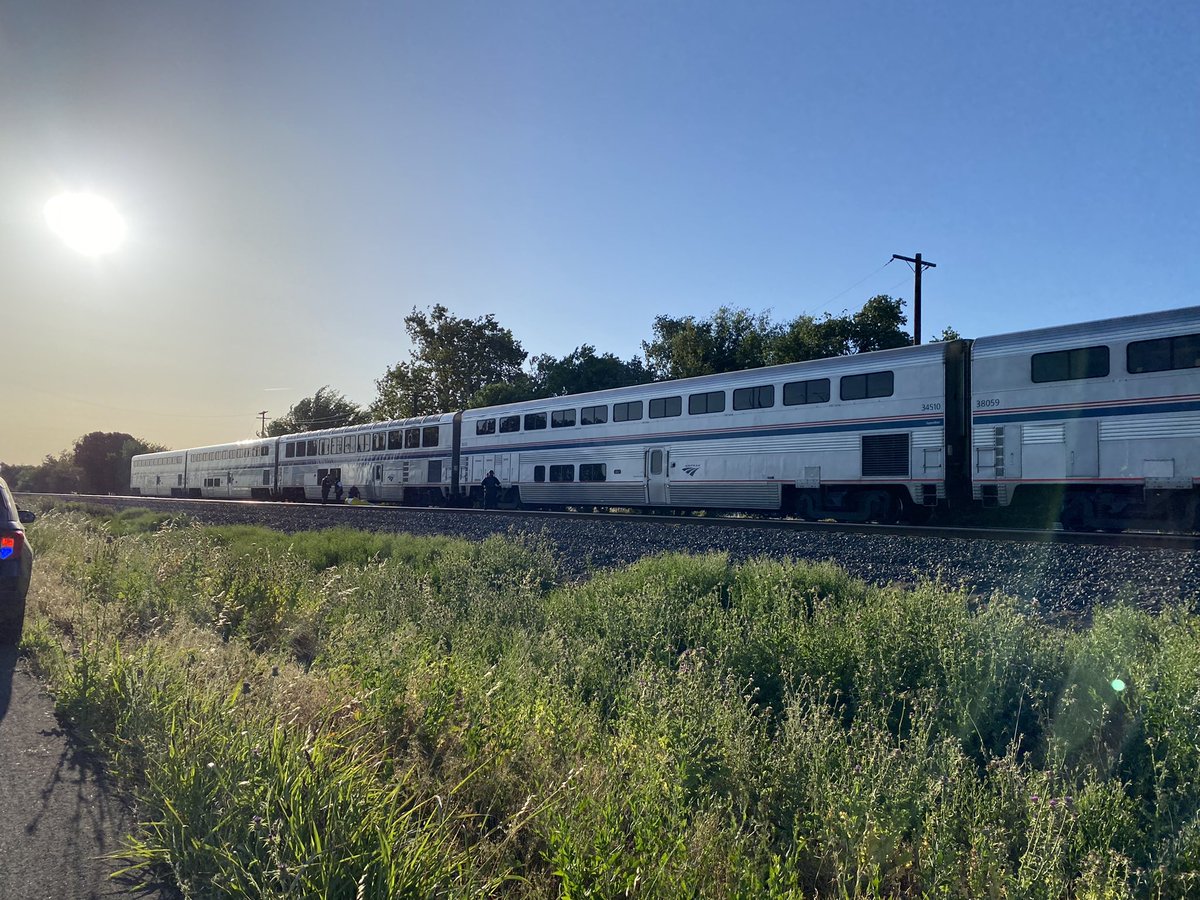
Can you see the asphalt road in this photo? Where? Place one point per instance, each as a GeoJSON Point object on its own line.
{"type": "Point", "coordinates": [58, 819]}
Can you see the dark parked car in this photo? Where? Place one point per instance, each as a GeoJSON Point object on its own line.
{"type": "Point", "coordinates": [16, 566]}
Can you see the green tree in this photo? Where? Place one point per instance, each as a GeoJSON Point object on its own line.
{"type": "Point", "coordinates": [58, 475]}
{"type": "Point", "coordinates": [326, 408]}
{"type": "Point", "coordinates": [521, 388]}
{"type": "Point", "coordinates": [582, 371]}
{"type": "Point", "coordinates": [103, 458]}
{"type": "Point", "coordinates": [729, 340]}
{"type": "Point", "coordinates": [19, 477]}
{"type": "Point", "coordinates": [807, 337]}
{"type": "Point", "coordinates": [947, 334]}
{"type": "Point", "coordinates": [452, 360]}
{"type": "Point", "coordinates": [879, 325]}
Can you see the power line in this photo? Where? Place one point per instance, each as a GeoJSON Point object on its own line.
{"type": "Point", "coordinates": [857, 283]}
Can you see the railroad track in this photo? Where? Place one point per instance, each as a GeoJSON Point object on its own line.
{"type": "Point", "coordinates": [1125, 540]}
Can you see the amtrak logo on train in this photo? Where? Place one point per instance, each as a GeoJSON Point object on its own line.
{"type": "Point", "coordinates": [691, 470]}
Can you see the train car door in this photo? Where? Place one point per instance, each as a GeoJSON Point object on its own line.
{"type": "Point", "coordinates": [1083, 455]}
{"type": "Point", "coordinates": [657, 468]}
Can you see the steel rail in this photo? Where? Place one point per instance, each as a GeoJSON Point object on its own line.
{"type": "Point", "coordinates": [1127, 539]}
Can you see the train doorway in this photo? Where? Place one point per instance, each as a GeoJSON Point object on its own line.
{"type": "Point", "coordinates": [657, 468]}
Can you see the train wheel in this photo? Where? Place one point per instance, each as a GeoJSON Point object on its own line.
{"type": "Point", "coordinates": [915, 513]}
{"type": "Point", "coordinates": [806, 507]}
{"type": "Point", "coordinates": [881, 507]}
{"type": "Point", "coordinates": [1077, 513]}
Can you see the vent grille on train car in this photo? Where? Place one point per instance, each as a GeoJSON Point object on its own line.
{"type": "Point", "coordinates": [885, 455]}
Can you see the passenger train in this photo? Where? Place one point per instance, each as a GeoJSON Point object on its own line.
{"type": "Point", "coordinates": [1096, 424]}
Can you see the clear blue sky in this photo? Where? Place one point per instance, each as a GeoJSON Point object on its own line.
{"type": "Point", "coordinates": [297, 176]}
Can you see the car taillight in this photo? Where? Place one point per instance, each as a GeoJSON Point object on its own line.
{"type": "Point", "coordinates": [11, 543]}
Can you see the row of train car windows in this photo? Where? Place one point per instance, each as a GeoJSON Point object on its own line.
{"type": "Point", "coordinates": [853, 387]}
{"type": "Point", "coordinates": [587, 472]}
{"type": "Point", "coordinates": [1157, 355]}
{"type": "Point", "coordinates": [161, 461]}
{"type": "Point", "coordinates": [236, 453]}
{"type": "Point", "coordinates": [397, 439]}
{"type": "Point", "coordinates": [216, 481]}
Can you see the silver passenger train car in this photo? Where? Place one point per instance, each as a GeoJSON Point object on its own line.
{"type": "Point", "coordinates": [1098, 421]}
{"type": "Point", "coordinates": [1096, 424]}
{"type": "Point", "coordinates": [403, 461]}
{"type": "Point", "coordinates": [860, 437]}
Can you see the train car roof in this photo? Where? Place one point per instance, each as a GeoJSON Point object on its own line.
{"type": "Point", "coordinates": [1141, 326]}
{"type": "Point", "coordinates": [414, 422]}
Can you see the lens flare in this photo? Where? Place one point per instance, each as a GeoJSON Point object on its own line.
{"type": "Point", "coordinates": [1118, 685]}
{"type": "Point", "coordinates": [87, 224]}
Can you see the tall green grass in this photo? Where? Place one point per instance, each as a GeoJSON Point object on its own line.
{"type": "Point", "coordinates": [350, 715]}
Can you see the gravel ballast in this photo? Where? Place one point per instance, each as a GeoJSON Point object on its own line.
{"type": "Point", "coordinates": [1055, 578]}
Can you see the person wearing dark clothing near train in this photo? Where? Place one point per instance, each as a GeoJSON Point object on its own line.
{"type": "Point", "coordinates": [326, 485]}
{"type": "Point", "coordinates": [337, 489]}
{"type": "Point", "coordinates": [491, 490]}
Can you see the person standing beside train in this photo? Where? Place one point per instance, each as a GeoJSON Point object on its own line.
{"type": "Point", "coordinates": [491, 489]}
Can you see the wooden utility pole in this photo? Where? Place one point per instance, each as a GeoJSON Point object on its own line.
{"type": "Point", "coordinates": [918, 265]}
{"type": "Point", "coordinates": [263, 432]}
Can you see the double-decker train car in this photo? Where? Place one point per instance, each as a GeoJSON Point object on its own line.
{"type": "Point", "coordinates": [860, 437]}
{"type": "Point", "coordinates": [159, 474]}
{"type": "Point", "coordinates": [1096, 425]}
{"type": "Point", "coordinates": [244, 470]}
{"type": "Point", "coordinates": [1098, 422]}
{"type": "Point", "coordinates": [404, 461]}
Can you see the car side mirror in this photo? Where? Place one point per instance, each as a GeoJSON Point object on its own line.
{"type": "Point", "coordinates": [25, 516]}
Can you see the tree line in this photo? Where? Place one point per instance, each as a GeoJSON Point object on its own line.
{"type": "Point", "coordinates": [461, 363]}
{"type": "Point", "coordinates": [458, 363]}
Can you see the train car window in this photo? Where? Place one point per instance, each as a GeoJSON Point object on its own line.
{"type": "Point", "coordinates": [364, 442]}
{"type": "Point", "coordinates": [539, 473]}
{"type": "Point", "coordinates": [433, 474]}
{"type": "Point", "coordinates": [429, 436]}
{"type": "Point", "coordinates": [485, 426]}
{"type": "Point", "coordinates": [1069, 365]}
{"type": "Point", "coordinates": [412, 438]}
{"type": "Point", "coordinates": [627, 412]}
{"type": "Point", "coordinates": [335, 445]}
{"type": "Point", "coordinates": [324, 446]}
{"type": "Point", "coordinates": [666, 407]}
{"type": "Point", "coordinates": [796, 393]}
{"type": "Point", "coordinates": [535, 422]}
{"type": "Point", "coordinates": [312, 448]}
{"type": "Point", "coordinates": [395, 440]}
{"type": "Point", "coordinates": [1182, 352]}
{"type": "Point", "coordinates": [754, 397]}
{"type": "Point", "coordinates": [379, 440]}
{"type": "Point", "coordinates": [593, 471]}
{"type": "Point", "coordinates": [266, 451]}
{"type": "Point", "coordinates": [1185, 351]}
{"type": "Point", "coordinates": [562, 418]}
{"type": "Point", "coordinates": [266, 476]}
{"type": "Point", "coordinates": [562, 473]}
{"type": "Point", "coordinates": [289, 451]}
{"type": "Point", "coordinates": [867, 385]}
{"type": "Point", "coordinates": [593, 415]}
{"type": "Point", "coordinates": [708, 402]}
{"type": "Point", "coordinates": [509, 424]}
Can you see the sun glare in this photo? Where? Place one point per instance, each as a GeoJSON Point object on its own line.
{"type": "Point", "coordinates": [86, 223]}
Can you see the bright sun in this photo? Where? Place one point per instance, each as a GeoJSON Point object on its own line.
{"type": "Point", "coordinates": [87, 223]}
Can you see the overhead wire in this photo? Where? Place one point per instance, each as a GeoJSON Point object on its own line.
{"type": "Point", "coordinates": [857, 283]}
